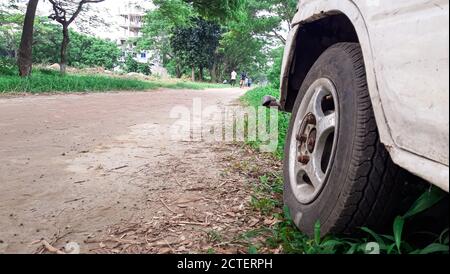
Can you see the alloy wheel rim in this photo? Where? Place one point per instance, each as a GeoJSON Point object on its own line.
{"type": "Point", "coordinates": [313, 142]}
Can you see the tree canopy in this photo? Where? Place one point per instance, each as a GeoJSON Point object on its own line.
{"type": "Point", "coordinates": [245, 34]}
{"type": "Point", "coordinates": [83, 51]}
{"type": "Point", "coordinates": [217, 9]}
{"type": "Point", "coordinates": [195, 45]}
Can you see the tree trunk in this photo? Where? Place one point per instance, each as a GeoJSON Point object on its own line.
{"type": "Point", "coordinates": [200, 74]}
{"type": "Point", "coordinates": [25, 60]}
{"type": "Point", "coordinates": [213, 72]}
{"type": "Point", "coordinates": [178, 71]}
{"type": "Point", "coordinates": [223, 69]}
{"type": "Point", "coordinates": [193, 74]}
{"type": "Point", "coordinates": [64, 44]}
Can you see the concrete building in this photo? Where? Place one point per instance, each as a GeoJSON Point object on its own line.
{"type": "Point", "coordinates": [132, 20]}
{"type": "Point", "coordinates": [132, 17]}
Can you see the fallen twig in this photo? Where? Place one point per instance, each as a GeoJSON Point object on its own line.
{"type": "Point", "coordinates": [195, 189]}
{"type": "Point", "coordinates": [74, 200]}
{"type": "Point", "coordinates": [163, 243]}
{"type": "Point", "coordinates": [222, 184]}
{"type": "Point", "coordinates": [192, 223]}
{"type": "Point", "coordinates": [189, 201]}
{"type": "Point", "coordinates": [117, 168]}
{"type": "Point", "coordinates": [51, 248]}
{"type": "Point", "coordinates": [166, 206]}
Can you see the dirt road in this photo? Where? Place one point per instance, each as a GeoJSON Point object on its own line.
{"type": "Point", "coordinates": [90, 169]}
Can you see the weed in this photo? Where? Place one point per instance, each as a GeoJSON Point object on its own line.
{"type": "Point", "coordinates": [264, 205]}
{"type": "Point", "coordinates": [254, 98]}
{"type": "Point", "coordinates": [272, 183]}
{"type": "Point", "coordinates": [214, 236]}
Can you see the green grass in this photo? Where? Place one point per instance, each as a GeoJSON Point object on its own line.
{"type": "Point", "coordinates": [191, 85]}
{"type": "Point", "coordinates": [43, 81]}
{"type": "Point", "coordinates": [284, 234]}
{"type": "Point", "coordinates": [254, 98]}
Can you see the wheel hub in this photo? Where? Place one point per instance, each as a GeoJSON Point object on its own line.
{"type": "Point", "coordinates": [312, 147]}
{"type": "Point", "coordinates": [307, 138]}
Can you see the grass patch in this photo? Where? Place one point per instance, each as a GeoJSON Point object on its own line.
{"type": "Point", "coordinates": [42, 81]}
{"type": "Point", "coordinates": [285, 234]}
{"type": "Point", "coordinates": [191, 85]}
{"type": "Point", "coordinates": [48, 81]}
{"type": "Point", "coordinates": [213, 236]}
{"type": "Point", "coordinates": [286, 237]}
{"type": "Point", "coordinates": [264, 205]}
{"type": "Point", "coordinates": [254, 98]}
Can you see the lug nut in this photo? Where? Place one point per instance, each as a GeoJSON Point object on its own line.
{"type": "Point", "coordinates": [303, 159]}
{"type": "Point", "coordinates": [301, 138]}
{"type": "Point", "coordinates": [311, 120]}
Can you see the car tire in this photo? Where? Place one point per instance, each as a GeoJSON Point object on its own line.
{"type": "Point", "coordinates": [336, 171]}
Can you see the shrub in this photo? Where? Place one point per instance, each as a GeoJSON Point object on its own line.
{"type": "Point", "coordinates": [8, 66]}
{"type": "Point", "coordinates": [132, 65]}
{"type": "Point", "coordinates": [275, 71]}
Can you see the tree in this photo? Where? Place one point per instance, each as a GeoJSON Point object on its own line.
{"type": "Point", "coordinates": [10, 25]}
{"type": "Point", "coordinates": [274, 71]}
{"type": "Point", "coordinates": [158, 30]}
{"type": "Point", "coordinates": [196, 44]}
{"type": "Point", "coordinates": [65, 12]}
{"type": "Point", "coordinates": [86, 50]}
{"type": "Point", "coordinates": [83, 50]}
{"type": "Point", "coordinates": [248, 30]}
{"type": "Point", "coordinates": [217, 10]}
{"type": "Point", "coordinates": [271, 17]}
{"type": "Point", "coordinates": [47, 41]}
{"type": "Point", "coordinates": [250, 37]}
{"type": "Point", "coordinates": [25, 59]}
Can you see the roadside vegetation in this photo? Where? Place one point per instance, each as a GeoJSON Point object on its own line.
{"type": "Point", "coordinates": [43, 81]}
{"type": "Point", "coordinates": [286, 238]}
{"type": "Point", "coordinates": [254, 98]}
{"type": "Point", "coordinates": [46, 80]}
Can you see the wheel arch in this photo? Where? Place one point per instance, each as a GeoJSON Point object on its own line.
{"type": "Point", "coordinates": [333, 21]}
{"type": "Point", "coordinates": [312, 39]}
{"type": "Point", "coordinates": [318, 25]}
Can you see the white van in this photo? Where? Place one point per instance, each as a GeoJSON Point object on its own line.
{"type": "Point", "coordinates": [367, 82]}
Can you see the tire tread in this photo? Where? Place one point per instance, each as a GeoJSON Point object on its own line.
{"type": "Point", "coordinates": [372, 173]}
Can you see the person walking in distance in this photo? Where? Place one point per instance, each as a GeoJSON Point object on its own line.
{"type": "Point", "coordinates": [243, 77]}
{"type": "Point", "coordinates": [233, 78]}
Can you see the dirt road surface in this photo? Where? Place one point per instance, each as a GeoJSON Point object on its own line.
{"type": "Point", "coordinates": [90, 169]}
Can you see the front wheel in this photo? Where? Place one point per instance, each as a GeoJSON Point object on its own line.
{"type": "Point", "coordinates": [336, 170]}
